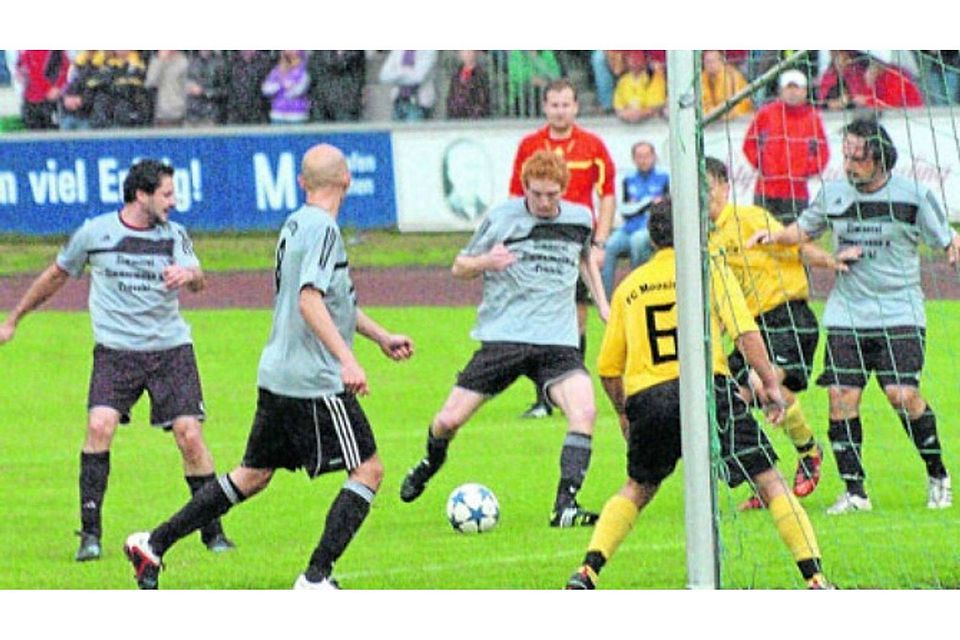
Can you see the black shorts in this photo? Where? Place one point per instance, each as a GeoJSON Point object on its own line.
{"type": "Point", "coordinates": [790, 333]}
{"type": "Point", "coordinates": [582, 295]}
{"type": "Point", "coordinates": [654, 445]}
{"type": "Point", "coordinates": [169, 377]}
{"type": "Point", "coordinates": [320, 435]}
{"type": "Point", "coordinates": [495, 366]}
{"type": "Point", "coordinates": [895, 355]}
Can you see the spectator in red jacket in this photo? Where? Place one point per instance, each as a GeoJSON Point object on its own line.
{"type": "Point", "coordinates": [892, 86]}
{"type": "Point", "coordinates": [43, 73]}
{"type": "Point", "coordinates": [844, 83]}
{"type": "Point", "coordinates": [786, 144]}
{"type": "Point", "coordinates": [858, 80]}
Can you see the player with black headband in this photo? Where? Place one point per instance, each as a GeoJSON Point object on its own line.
{"type": "Point", "coordinates": [139, 262]}
{"type": "Point", "coordinates": [875, 314]}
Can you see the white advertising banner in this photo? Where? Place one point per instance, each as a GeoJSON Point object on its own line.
{"type": "Point", "coordinates": [449, 174]}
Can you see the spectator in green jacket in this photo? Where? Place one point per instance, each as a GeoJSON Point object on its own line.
{"type": "Point", "coordinates": [529, 72]}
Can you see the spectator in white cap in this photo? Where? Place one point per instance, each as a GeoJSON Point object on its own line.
{"type": "Point", "coordinates": [786, 144]}
{"type": "Point", "coordinates": [794, 77]}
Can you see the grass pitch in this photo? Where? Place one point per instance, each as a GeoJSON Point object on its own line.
{"type": "Point", "coordinates": [410, 546]}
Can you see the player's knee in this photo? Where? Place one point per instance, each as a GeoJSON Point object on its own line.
{"type": "Point", "coordinates": [189, 436]}
{"type": "Point", "coordinates": [905, 399]}
{"type": "Point", "coordinates": [251, 481]}
{"type": "Point", "coordinates": [447, 423]}
{"type": "Point", "coordinates": [770, 484]}
{"type": "Point", "coordinates": [370, 472]}
{"type": "Point", "coordinates": [844, 404]}
{"type": "Point", "coordinates": [582, 417]}
{"type": "Point", "coordinates": [639, 493]}
{"type": "Point", "coordinates": [100, 428]}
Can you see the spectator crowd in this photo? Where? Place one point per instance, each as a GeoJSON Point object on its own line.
{"type": "Point", "coordinates": [171, 88]}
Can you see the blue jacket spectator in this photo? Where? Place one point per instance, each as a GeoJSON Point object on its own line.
{"type": "Point", "coordinates": [640, 189]}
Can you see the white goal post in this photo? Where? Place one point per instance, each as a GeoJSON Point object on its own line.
{"type": "Point", "coordinates": [693, 333]}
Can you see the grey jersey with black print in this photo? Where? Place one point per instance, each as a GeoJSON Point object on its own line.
{"type": "Point", "coordinates": [131, 308]}
{"type": "Point", "coordinates": [882, 289]}
{"type": "Point", "coordinates": [532, 300]}
{"type": "Point", "coordinates": [310, 253]}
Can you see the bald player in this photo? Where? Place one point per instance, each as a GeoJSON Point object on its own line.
{"type": "Point", "coordinates": [307, 411]}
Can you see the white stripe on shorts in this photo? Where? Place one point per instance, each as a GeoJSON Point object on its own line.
{"type": "Point", "coordinates": [344, 430]}
{"type": "Point", "coordinates": [316, 433]}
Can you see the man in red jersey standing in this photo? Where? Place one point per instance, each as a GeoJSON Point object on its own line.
{"type": "Point", "coordinates": [592, 174]}
{"type": "Point", "coordinates": [787, 145]}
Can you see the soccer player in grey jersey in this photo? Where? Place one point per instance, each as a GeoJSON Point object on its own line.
{"type": "Point", "coordinates": [307, 411]}
{"type": "Point", "coordinates": [139, 260]}
{"type": "Point", "coordinates": [529, 252]}
{"type": "Point", "coordinates": [874, 315]}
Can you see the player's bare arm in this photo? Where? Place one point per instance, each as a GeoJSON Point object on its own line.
{"type": "Point", "coordinates": [608, 206]}
{"type": "Point", "coordinates": [395, 346]}
{"type": "Point", "coordinates": [590, 273]}
{"type": "Point", "coordinates": [497, 259]}
{"type": "Point", "coordinates": [41, 290]}
{"type": "Point", "coordinates": [751, 346]}
{"type": "Point", "coordinates": [175, 276]}
{"type": "Point", "coordinates": [789, 235]}
{"type": "Point", "coordinates": [953, 250]}
{"type": "Point", "coordinates": [613, 387]}
{"type": "Point", "coordinates": [814, 256]}
{"type": "Point", "coordinates": [317, 316]}
{"type": "Point", "coordinates": [848, 255]}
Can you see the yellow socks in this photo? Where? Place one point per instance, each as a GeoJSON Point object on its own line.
{"type": "Point", "coordinates": [796, 427]}
{"type": "Point", "coordinates": [616, 521]}
{"type": "Point", "coordinates": [797, 533]}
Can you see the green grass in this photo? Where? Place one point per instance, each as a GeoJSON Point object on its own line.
{"type": "Point", "coordinates": [255, 250]}
{"type": "Point", "coordinates": [401, 546]}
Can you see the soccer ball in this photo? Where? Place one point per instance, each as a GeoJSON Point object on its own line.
{"type": "Point", "coordinates": [472, 508]}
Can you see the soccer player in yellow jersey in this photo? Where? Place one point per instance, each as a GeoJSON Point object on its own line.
{"type": "Point", "coordinates": [640, 372]}
{"type": "Point", "coordinates": [774, 284]}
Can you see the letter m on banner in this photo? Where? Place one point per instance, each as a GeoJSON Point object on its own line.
{"type": "Point", "coordinates": [277, 190]}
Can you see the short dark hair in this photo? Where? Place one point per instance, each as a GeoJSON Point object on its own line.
{"type": "Point", "coordinates": [879, 144]}
{"type": "Point", "coordinates": [642, 143]}
{"type": "Point", "coordinates": [660, 224]}
{"type": "Point", "coordinates": [716, 168]}
{"type": "Point", "coordinates": [144, 176]}
{"type": "Point", "coordinates": [558, 86]}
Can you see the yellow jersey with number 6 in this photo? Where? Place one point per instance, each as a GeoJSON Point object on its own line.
{"type": "Point", "coordinates": [640, 341]}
